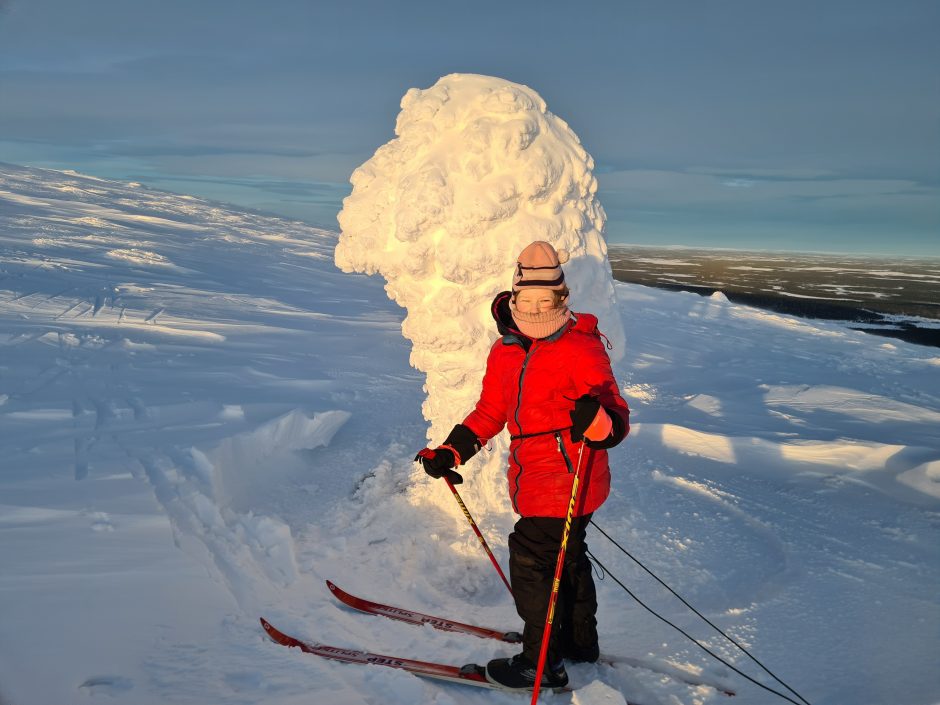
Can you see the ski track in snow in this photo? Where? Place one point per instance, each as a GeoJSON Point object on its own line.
{"type": "Point", "coordinates": [175, 373]}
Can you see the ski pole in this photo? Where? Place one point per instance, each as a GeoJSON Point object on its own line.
{"type": "Point", "coordinates": [473, 525]}
{"type": "Point", "coordinates": [556, 583]}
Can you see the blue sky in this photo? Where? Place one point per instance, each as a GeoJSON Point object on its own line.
{"type": "Point", "coordinates": [774, 125]}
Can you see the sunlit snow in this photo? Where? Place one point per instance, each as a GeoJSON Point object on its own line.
{"type": "Point", "coordinates": [202, 432]}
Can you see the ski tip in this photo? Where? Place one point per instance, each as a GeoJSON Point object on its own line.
{"type": "Point", "coordinates": [276, 635]}
{"type": "Point", "coordinates": [331, 586]}
{"type": "Point", "coordinates": [273, 632]}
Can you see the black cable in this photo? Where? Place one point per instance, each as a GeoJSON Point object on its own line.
{"type": "Point", "coordinates": [704, 618]}
{"type": "Point", "coordinates": [688, 636]}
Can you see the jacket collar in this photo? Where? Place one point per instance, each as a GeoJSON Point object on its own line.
{"type": "Point", "coordinates": [581, 322]}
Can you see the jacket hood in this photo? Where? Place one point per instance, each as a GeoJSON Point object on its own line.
{"type": "Point", "coordinates": [503, 315]}
{"type": "Point", "coordinates": [581, 322]}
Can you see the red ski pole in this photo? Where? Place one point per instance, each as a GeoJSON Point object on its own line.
{"type": "Point", "coordinates": [556, 584]}
{"type": "Point", "coordinates": [473, 525]}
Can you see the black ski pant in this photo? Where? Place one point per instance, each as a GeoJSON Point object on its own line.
{"type": "Point", "coordinates": [533, 554]}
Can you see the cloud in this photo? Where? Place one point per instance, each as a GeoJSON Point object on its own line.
{"type": "Point", "coordinates": [310, 189]}
{"type": "Point", "coordinates": [678, 204]}
{"type": "Point", "coordinates": [796, 174]}
{"type": "Point", "coordinates": [128, 149]}
{"type": "Point", "coordinates": [663, 187]}
{"type": "Point", "coordinates": [738, 183]}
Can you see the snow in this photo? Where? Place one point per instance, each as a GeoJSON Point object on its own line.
{"type": "Point", "coordinates": [663, 260]}
{"type": "Point", "coordinates": [186, 448]}
{"type": "Point", "coordinates": [479, 168]}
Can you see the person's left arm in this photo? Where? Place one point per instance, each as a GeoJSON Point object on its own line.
{"type": "Point", "coordinates": [601, 416]}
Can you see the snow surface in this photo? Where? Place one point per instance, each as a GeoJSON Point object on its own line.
{"type": "Point", "coordinates": [200, 429]}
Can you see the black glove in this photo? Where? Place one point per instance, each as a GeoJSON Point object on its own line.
{"type": "Point", "coordinates": [585, 409]}
{"type": "Point", "coordinates": [439, 463]}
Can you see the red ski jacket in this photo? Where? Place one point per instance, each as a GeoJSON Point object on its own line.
{"type": "Point", "coordinates": [531, 386]}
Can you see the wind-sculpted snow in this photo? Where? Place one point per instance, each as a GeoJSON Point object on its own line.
{"type": "Point", "coordinates": [232, 394]}
{"type": "Point", "coordinates": [479, 169]}
{"type": "Point", "coordinates": [149, 340]}
{"type": "Point", "coordinates": [208, 495]}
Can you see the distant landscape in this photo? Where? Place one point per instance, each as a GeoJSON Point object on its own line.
{"type": "Point", "coordinates": [890, 296]}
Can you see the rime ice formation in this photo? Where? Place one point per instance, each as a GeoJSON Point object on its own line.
{"type": "Point", "coordinates": [479, 169]}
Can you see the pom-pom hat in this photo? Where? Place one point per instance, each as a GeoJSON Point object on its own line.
{"type": "Point", "coordinates": [539, 267]}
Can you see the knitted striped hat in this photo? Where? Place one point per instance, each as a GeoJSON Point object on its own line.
{"type": "Point", "coordinates": [539, 266]}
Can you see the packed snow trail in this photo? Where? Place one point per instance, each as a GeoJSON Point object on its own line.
{"type": "Point", "coordinates": [264, 420]}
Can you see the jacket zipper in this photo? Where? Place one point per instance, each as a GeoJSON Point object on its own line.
{"type": "Point", "coordinates": [525, 363]}
{"type": "Point", "coordinates": [564, 453]}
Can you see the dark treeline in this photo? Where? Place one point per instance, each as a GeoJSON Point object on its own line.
{"type": "Point", "coordinates": [854, 289]}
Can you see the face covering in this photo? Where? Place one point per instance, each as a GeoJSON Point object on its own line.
{"type": "Point", "coordinates": [542, 324]}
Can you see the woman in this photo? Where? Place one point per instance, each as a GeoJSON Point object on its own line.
{"type": "Point", "coordinates": [549, 379]}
